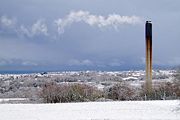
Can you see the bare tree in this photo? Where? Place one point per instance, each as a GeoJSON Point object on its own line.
{"type": "Point", "coordinates": [121, 91]}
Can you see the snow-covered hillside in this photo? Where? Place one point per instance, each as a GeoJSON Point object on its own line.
{"type": "Point", "coordinates": [124, 110]}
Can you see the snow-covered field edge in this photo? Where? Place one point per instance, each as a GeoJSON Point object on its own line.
{"type": "Point", "coordinates": [122, 110]}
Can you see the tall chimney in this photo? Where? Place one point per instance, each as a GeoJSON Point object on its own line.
{"type": "Point", "coordinates": [148, 29]}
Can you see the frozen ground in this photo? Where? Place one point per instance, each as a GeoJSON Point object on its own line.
{"type": "Point", "coordinates": [129, 110]}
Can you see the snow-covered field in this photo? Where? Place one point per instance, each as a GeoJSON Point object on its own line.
{"type": "Point", "coordinates": [124, 110]}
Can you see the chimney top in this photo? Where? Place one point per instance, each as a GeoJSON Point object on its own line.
{"type": "Point", "coordinates": [148, 22]}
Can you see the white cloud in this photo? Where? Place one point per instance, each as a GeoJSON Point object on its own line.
{"type": "Point", "coordinates": [10, 25]}
{"type": "Point", "coordinates": [14, 61]}
{"type": "Point", "coordinates": [41, 28]}
{"type": "Point", "coordinates": [29, 63]}
{"type": "Point", "coordinates": [112, 20]}
{"type": "Point", "coordinates": [116, 63]}
{"type": "Point", "coordinates": [38, 28]}
{"type": "Point", "coordinates": [4, 61]}
{"type": "Point", "coordinates": [7, 22]}
{"type": "Point", "coordinates": [24, 31]}
{"type": "Point", "coordinates": [76, 62]}
{"type": "Point", "coordinates": [87, 62]}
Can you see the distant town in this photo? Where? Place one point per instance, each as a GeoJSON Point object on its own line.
{"type": "Point", "coordinates": [27, 85]}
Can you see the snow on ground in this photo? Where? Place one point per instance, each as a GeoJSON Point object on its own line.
{"type": "Point", "coordinates": [123, 110]}
{"type": "Point", "coordinates": [12, 99]}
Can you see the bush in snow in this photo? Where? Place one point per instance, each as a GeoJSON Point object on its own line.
{"type": "Point", "coordinates": [162, 91]}
{"type": "Point", "coordinates": [120, 91]}
{"type": "Point", "coordinates": [176, 84]}
{"type": "Point", "coordinates": [54, 93]}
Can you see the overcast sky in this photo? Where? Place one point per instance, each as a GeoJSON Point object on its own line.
{"type": "Point", "coordinates": [87, 34]}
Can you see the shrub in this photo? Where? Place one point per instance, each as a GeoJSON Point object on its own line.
{"type": "Point", "coordinates": [54, 93]}
{"type": "Point", "coordinates": [121, 91]}
{"type": "Point", "coordinates": [162, 91]}
{"type": "Point", "coordinates": [176, 83]}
